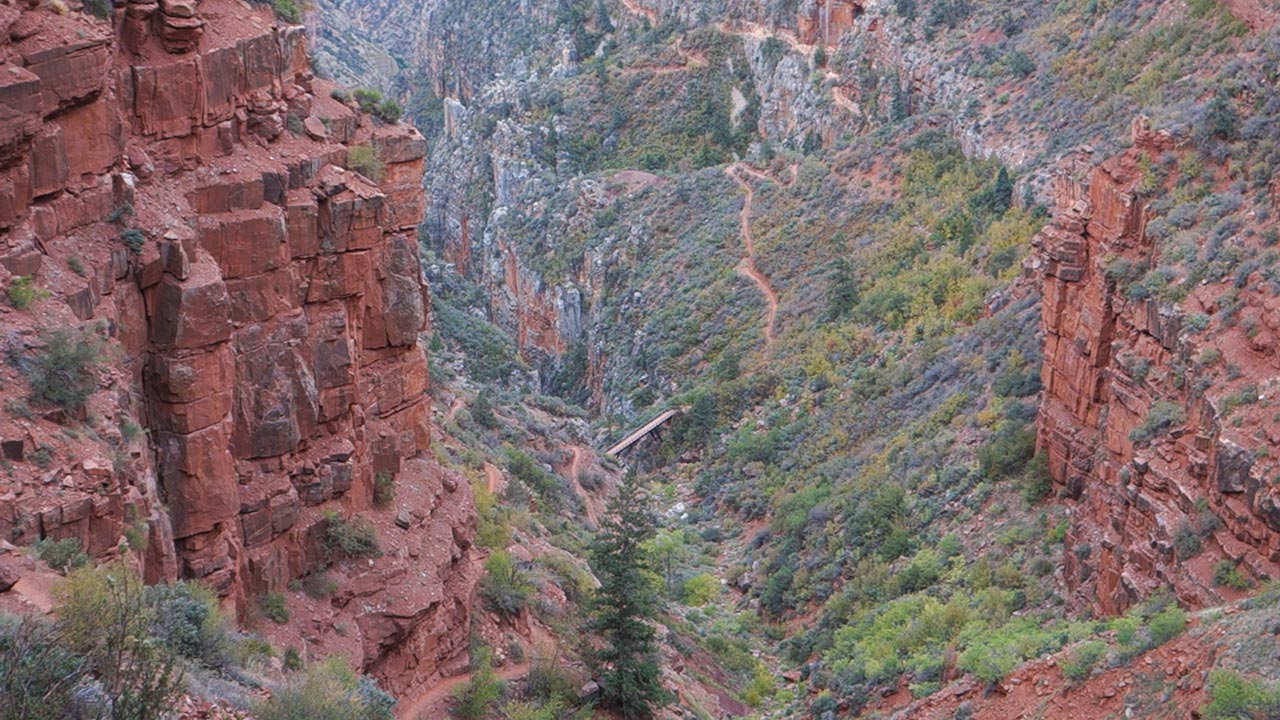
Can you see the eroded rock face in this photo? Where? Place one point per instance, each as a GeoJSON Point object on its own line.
{"type": "Point", "coordinates": [268, 320]}
{"type": "Point", "coordinates": [1130, 420]}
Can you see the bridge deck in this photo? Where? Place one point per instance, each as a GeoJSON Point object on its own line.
{"type": "Point", "coordinates": [644, 430]}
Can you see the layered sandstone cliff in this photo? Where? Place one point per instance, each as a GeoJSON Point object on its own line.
{"type": "Point", "coordinates": [1134, 420]}
{"type": "Point", "coordinates": [179, 184]}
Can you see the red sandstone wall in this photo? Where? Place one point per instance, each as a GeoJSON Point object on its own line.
{"type": "Point", "coordinates": [267, 334]}
{"type": "Point", "coordinates": [1129, 500]}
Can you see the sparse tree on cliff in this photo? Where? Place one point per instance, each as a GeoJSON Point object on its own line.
{"type": "Point", "coordinates": [625, 602]}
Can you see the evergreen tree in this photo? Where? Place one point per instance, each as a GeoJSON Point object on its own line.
{"type": "Point", "coordinates": [625, 602]}
{"type": "Point", "coordinates": [844, 294]}
{"type": "Point", "coordinates": [1003, 192]}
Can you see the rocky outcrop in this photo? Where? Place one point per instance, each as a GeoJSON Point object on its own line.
{"type": "Point", "coordinates": [1132, 420]}
{"type": "Point", "coordinates": [178, 181]}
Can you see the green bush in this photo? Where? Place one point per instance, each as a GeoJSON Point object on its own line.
{"type": "Point", "coordinates": [349, 538]}
{"type": "Point", "coordinates": [38, 676]}
{"type": "Point", "coordinates": [23, 293]}
{"type": "Point", "coordinates": [474, 700]}
{"type": "Point", "coordinates": [319, 585]}
{"type": "Point", "coordinates": [287, 10]}
{"type": "Point", "coordinates": [1235, 697]}
{"type": "Point", "coordinates": [62, 555]}
{"type": "Point", "coordinates": [365, 160]}
{"type": "Point", "coordinates": [186, 617]}
{"type": "Point", "coordinates": [504, 588]}
{"type": "Point", "coordinates": [275, 607]}
{"type": "Point", "coordinates": [1186, 542]}
{"type": "Point", "coordinates": [133, 239]}
{"type": "Point", "coordinates": [389, 111]}
{"type": "Point", "coordinates": [701, 589]}
{"type": "Point", "coordinates": [328, 691]}
{"type": "Point", "coordinates": [1035, 483]}
{"type": "Point", "coordinates": [1162, 417]}
{"type": "Point", "coordinates": [1227, 573]}
{"type": "Point", "coordinates": [103, 616]}
{"type": "Point", "coordinates": [1009, 451]}
{"type": "Point", "coordinates": [1167, 625]}
{"type": "Point", "coordinates": [384, 489]}
{"type": "Point", "coordinates": [367, 98]}
{"type": "Point", "coordinates": [1081, 661]}
{"type": "Point", "coordinates": [62, 373]}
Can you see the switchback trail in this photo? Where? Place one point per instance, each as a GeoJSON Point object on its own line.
{"type": "Point", "coordinates": [638, 9]}
{"type": "Point", "coordinates": [747, 266]}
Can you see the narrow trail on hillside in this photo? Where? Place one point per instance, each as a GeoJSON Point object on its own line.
{"type": "Point", "coordinates": [454, 407]}
{"type": "Point", "coordinates": [842, 100]}
{"type": "Point", "coordinates": [435, 702]}
{"type": "Point", "coordinates": [747, 266]}
{"type": "Point", "coordinates": [494, 479]}
{"type": "Point", "coordinates": [589, 502]}
{"type": "Point", "coordinates": [641, 10]}
{"type": "Point", "coordinates": [692, 59]}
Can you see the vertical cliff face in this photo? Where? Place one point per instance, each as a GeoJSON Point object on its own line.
{"type": "Point", "coordinates": [179, 186]}
{"type": "Point", "coordinates": [1133, 423]}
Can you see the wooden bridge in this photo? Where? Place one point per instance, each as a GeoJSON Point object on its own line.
{"type": "Point", "coordinates": [648, 428]}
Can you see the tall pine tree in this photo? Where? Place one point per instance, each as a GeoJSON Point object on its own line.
{"type": "Point", "coordinates": [625, 602]}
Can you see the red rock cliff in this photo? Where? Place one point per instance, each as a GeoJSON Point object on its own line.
{"type": "Point", "coordinates": [265, 334]}
{"type": "Point", "coordinates": [1114, 365]}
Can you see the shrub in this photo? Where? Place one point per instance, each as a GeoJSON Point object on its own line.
{"type": "Point", "coordinates": [525, 469]}
{"type": "Point", "coordinates": [319, 585]}
{"type": "Point", "coordinates": [188, 620]}
{"type": "Point", "coordinates": [287, 10]}
{"type": "Point", "coordinates": [504, 588]}
{"type": "Point", "coordinates": [701, 589]}
{"type": "Point", "coordinates": [1036, 483]}
{"type": "Point", "coordinates": [1167, 625]}
{"type": "Point", "coordinates": [100, 9]}
{"type": "Point", "coordinates": [1126, 629]}
{"type": "Point", "coordinates": [1186, 542]}
{"type": "Point", "coordinates": [482, 691]}
{"type": "Point", "coordinates": [1082, 660]}
{"type": "Point", "coordinates": [367, 98]}
{"type": "Point", "coordinates": [292, 659]}
{"type": "Point", "coordinates": [1160, 419]}
{"type": "Point", "coordinates": [1235, 697]}
{"type": "Point", "coordinates": [365, 160]}
{"type": "Point", "coordinates": [133, 239]}
{"type": "Point", "coordinates": [23, 293]}
{"type": "Point", "coordinates": [275, 607]}
{"type": "Point", "coordinates": [389, 111]}
{"type": "Point", "coordinates": [61, 374]}
{"type": "Point", "coordinates": [62, 555]}
{"type": "Point", "coordinates": [328, 691]}
{"type": "Point", "coordinates": [347, 538]}
{"type": "Point", "coordinates": [38, 676]}
{"type": "Point", "coordinates": [103, 617]}
{"type": "Point", "coordinates": [384, 489]}
{"type": "Point", "coordinates": [1226, 573]}
{"type": "Point", "coordinates": [1008, 452]}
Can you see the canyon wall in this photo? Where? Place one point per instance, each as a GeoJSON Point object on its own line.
{"type": "Point", "coordinates": [1134, 419]}
{"type": "Point", "coordinates": [180, 188]}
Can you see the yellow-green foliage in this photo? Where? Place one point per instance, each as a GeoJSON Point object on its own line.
{"type": "Point", "coordinates": [330, 690]}
{"type": "Point", "coordinates": [365, 160]}
{"type": "Point", "coordinates": [701, 589]}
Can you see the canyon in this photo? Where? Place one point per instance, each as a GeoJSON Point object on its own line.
{"type": "Point", "coordinates": [959, 318]}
